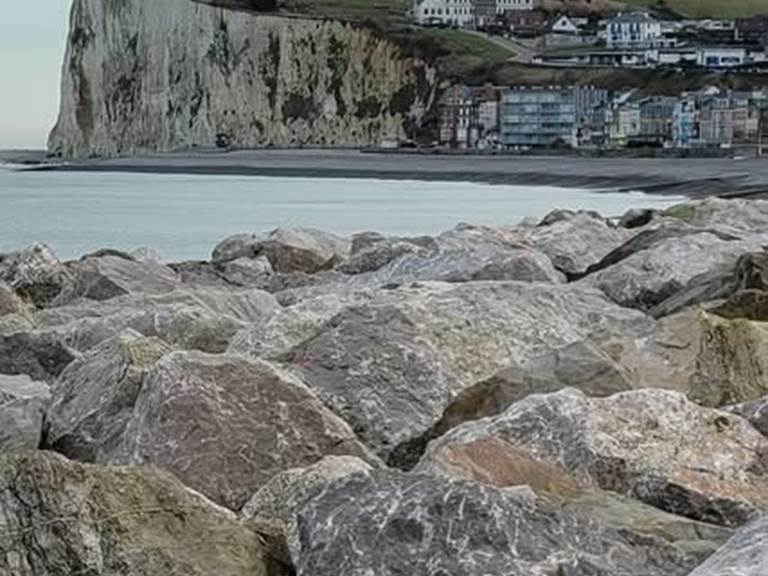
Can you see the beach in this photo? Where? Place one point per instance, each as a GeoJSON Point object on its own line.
{"type": "Point", "coordinates": [692, 177]}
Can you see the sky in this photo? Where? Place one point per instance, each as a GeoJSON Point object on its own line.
{"type": "Point", "coordinates": [32, 40]}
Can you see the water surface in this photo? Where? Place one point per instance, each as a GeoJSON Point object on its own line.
{"type": "Point", "coordinates": [183, 217]}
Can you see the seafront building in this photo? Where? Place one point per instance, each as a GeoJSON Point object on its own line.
{"type": "Point", "coordinates": [465, 12]}
{"type": "Point", "coordinates": [546, 116]}
{"type": "Point", "coordinates": [490, 117]}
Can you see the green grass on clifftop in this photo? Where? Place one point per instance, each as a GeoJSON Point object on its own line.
{"type": "Point", "coordinates": [379, 11]}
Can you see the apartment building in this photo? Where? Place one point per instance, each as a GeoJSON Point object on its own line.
{"type": "Point", "coordinates": [546, 116]}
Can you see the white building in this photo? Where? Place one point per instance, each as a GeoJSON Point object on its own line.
{"type": "Point", "coordinates": [633, 30]}
{"type": "Point", "coordinates": [464, 12]}
{"type": "Point", "coordinates": [449, 12]}
{"type": "Point", "coordinates": [564, 24]}
{"type": "Point", "coordinates": [721, 57]}
{"type": "Point", "coordinates": [505, 5]}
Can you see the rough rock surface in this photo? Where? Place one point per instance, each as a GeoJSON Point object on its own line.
{"type": "Point", "coordinates": [652, 445]}
{"type": "Point", "coordinates": [39, 355]}
{"type": "Point", "coordinates": [230, 77]}
{"type": "Point", "coordinates": [225, 425]}
{"type": "Point", "coordinates": [648, 277]}
{"type": "Point", "coordinates": [287, 249]}
{"type": "Point", "coordinates": [391, 366]}
{"type": "Point", "coordinates": [576, 243]}
{"type": "Point", "coordinates": [37, 276]}
{"type": "Point", "coordinates": [94, 397]}
{"type": "Point", "coordinates": [755, 412]}
{"type": "Point", "coordinates": [466, 253]}
{"type": "Point", "coordinates": [101, 277]}
{"type": "Point", "coordinates": [65, 518]}
{"type": "Point", "coordinates": [745, 554]}
{"type": "Point", "coordinates": [280, 500]}
{"type": "Point", "coordinates": [388, 523]}
{"type": "Point", "coordinates": [200, 319]}
{"type": "Point", "coordinates": [22, 406]}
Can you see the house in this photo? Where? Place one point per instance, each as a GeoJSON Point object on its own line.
{"type": "Point", "coordinates": [546, 116]}
{"type": "Point", "coordinates": [656, 121]}
{"type": "Point", "coordinates": [526, 23]}
{"type": "Point", "coordinates": [444, 12]}
{"type": "Point", "coordinates": [565, 24]}
{"type": "Point", "coordinates": [633, 30]}
{"type": "Point", "coordinates": [506, 5]}
{"type": "Point", "coordinates": [469, 116]}
{"type": "Point", "coordinates": [752, 31]}
{"type": "Point", "coordinates": [485, 13]}
{"type": "Point", "coordinates": [715, 118]}
{"type": "Point", "coordinates": [721, 56]}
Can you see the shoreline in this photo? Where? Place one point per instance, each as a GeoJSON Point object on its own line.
{"type": "Point", "coordinates": [693, 178]}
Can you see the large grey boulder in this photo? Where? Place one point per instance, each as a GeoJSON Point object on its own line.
{"type": "Point", "coordinates": [225, 425]}
{"type": "Point", "coordinates": [576, 243]}
{"type": "Point", "coordinates": [389, 523]}
{"type": "Point", "coordinates": [648, 277]}
{"type": "Point", "coordinates": [287, 249]}
{"type": "Point", "coordinates": [279, 501]}
{"type": "Point", "coordinates": [37, 275]}
{"type": "Point", "coordinates": [391, 365]}
{"type": "Point", "coordinates": [732, 216]}
{"type": "Point", "coordinates": [464, 254]}
{"type": "Point", "coordinates": [94, 397]}
{"type": "Point", "coordinates": [200, 319]}
{"type": "Point", "coordinates": [745, 554]}
{"type": "Point", "coordinates": [652, 445]}
{"type": "Point", "coordinates": [65, 518]}
{"type": "Point", "coordinates": [108, 275]}
{"type": "Point", "coordinates": [22, 406]}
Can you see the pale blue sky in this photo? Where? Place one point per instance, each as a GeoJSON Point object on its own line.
{"type": "Point", "coordinates": [32, 38]}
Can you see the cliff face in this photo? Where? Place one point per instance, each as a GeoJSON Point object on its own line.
{"type": "Point", "coordinates": [143, 75]}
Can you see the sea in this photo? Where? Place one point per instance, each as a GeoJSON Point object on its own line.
{"type": "Point", "coordinates": [183, 217]}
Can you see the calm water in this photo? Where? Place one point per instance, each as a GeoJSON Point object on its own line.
{"type": "Point", "coordinates": [183, 217]}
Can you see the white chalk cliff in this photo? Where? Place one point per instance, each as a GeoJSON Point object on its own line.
{"type": "Point", "coordinates": [151, 75]}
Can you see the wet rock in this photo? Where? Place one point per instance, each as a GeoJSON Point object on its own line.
{"type": "Point", "coordinates": [22, 405]}
{"type": "Point", "coordinates": [652, 445]}
{"type": "Point", "coordinates": [38, 277]}
{"type": "Point", "coordinates": [60, 517]}
{"type": "Point", "coordinates": [745, 554]}
{"type": "Point", "coordinates": [392, 366]}
{"type": "Point", "coordinates": [280, 500]}
{"type": "Point", "coordinates": [94, 397]}
{"type": "Point", "coordinates": [225, 426]}
{"type": "Point", "coordinates": [389, 523]}
{"type": "Point", "coordinates": [287, 249]}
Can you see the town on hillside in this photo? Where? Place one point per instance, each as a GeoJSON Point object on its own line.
{"type": "Point", "coordinates": [587, 117]}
